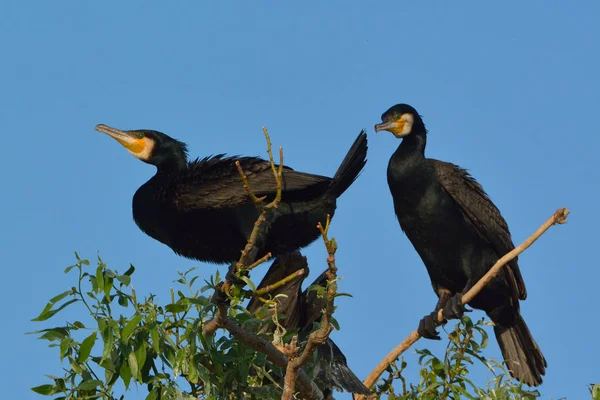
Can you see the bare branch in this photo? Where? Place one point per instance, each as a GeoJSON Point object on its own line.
{"type": "Point", "coordinates": [559, 217]}
{"type": "Point", "coordinates": [308, 388]}
{"type": "Point", "coordinates": [269, 288]}
{"type": "Point", "coordinates": [320, 335]}
{"type": "Point", "coordinates": [261, 227]}
{"type": "Point", "coordinates": [257, 200]}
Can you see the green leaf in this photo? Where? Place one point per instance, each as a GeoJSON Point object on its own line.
{"type": "Point", "coordinates": [75, 367]}
{"type": "Point", "coordinates": [130, 271]}
{"type": "Point", "coordinates": [125, 373]}
{"type": "Point", "coordinates": [124, 279]}
{"type": "Point", "coordinates": [54, 334]}
{"type": "Point", "coordinates": [99, 279]}
{"type": "Point", "coordinates": [46, 390]}
{"type": "Point", "coordinates": [70, 267]}
{"type": "Point", "coordinates": [86, 347]}
{"type": "Point", "coordinates": [249, 282]}
{"type": "Point", "coordinates": [140, 356]}
{"type": "Point", "coordinates": [123, 301]}
{"type": "Point", "coordinates": [89, 384]}
{"type": "Point", "coordinates": [133, 365]}
{"type": "Point", "coordinates": [130, 326]}
{"type": "Point", "coordinates": [200, 301]}
{"type": "Point", "coordinates": [108, 339]}
{"type": "Point", "coordinates": [335, 323]}
{"type": "Point", "coordinates": [153, 395]}
{"type": "Point", "coordinates": [61, 296]}
{"type": "Point", "coordinates": [108, 284]}
{"type": "Point", "coordinates": [155, 337]}
{"type": "Point", "coordinates": [192, 374]}
{"type": "Point", "coordinates": [78, 325]}
{"type": "Point", "coordinates": [175, 308]}
{"type": "Point", "coordinates": [65, 345]}
{"type": "Point", "coordinates": [48, 313]}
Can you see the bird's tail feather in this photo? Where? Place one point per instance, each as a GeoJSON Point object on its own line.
{"type": "Point", "coordinates": [350, 167]}
{"type": "Point", "coordinates": [523, 356]}
{"type": "Point", "coordinates": [334, 371]}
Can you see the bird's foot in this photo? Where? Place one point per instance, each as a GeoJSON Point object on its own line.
{"type": "Point", "coordinates": [232, 277]}
{"type": "Point", "coordinates": [219, 297]}
{"type": "Point", "coordinates": [454, 308]}
{"type": "Point", "coordinates": [427, 327]}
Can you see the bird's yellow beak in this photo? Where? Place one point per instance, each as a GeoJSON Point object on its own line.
{"type": "Point", "coordinates": [128, 139]}
{"type": "Point", "coordinates": [396, 127]}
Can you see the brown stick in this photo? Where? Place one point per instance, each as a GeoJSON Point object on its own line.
{"type": "Point", "coordinates": [260, 229]}
{"type": "Point", "coordinates": [269, 288]}
{"type": "Point", "coordinates": [320, 335]}
{"type": "Point", "coordinates": [308, 388]}
{"type": "Point", "coordinates": [559, 217]}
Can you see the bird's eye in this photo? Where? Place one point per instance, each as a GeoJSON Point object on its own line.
{"type": "Point", "coordinates": [140, 135]}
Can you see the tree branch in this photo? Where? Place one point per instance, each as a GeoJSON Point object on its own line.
{"type": "Point", "coordinates": [320, 335]}
{"type": "Point", "coordinates": [269, 288]}
{"type": "Point", "coordinates": [559, 217]}
{"type": "Point", "coordinates": [261, 227]}
{"type": "Point", "coordinates": [308, 388]}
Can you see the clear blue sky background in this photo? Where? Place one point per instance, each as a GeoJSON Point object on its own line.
{"type": "Point", "coordinates": [508, 90]}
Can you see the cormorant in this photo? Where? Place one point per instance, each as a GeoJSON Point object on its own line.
{"type": "Point", "coordinates": [300, 310]}
{"type": "Point", "coordinates": [459, 234]}
{"type": "Point", "coordinates": [201, 210]}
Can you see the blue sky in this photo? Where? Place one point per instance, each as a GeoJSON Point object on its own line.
{"type": "Point", "coordinates": [508, 90]}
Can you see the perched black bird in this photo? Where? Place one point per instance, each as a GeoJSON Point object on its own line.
{"type": "Point", "coordinates": [201, 210]}
{"type": "Point", "coordinates": [300, 310]}
{"type": "Point", "coordinates": [459, 234]}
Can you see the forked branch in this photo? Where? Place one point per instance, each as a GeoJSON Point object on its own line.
{"type": "Point", "coordinates": [261, 227]}
{"type": "Point", "coordinates": [559, 217]}
{"type": "Point", "coordinates": [320, 335]}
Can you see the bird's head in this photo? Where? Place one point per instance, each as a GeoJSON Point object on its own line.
{"type": "Point", "coordinates": [152, 147]}
{"type": "Point", "coordinates": [401, 120]}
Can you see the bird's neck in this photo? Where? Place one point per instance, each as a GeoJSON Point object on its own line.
{"type": "Point", "coordinates": [171, 166]}
{"type": "Point", "coordinates": [408, 161]}
{"type": "Point", "coordinates": [412, 147]}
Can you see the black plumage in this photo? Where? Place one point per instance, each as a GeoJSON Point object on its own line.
{"type": "Point", "coordinates": [201, 210]}
{"type": "Point", "coordinates": [299, 311]}
{"type": "Point", "coordinates": [459, 234]}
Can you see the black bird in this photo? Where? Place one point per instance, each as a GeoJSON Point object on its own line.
{"type": "Point", "coordinates": [300, 310]}
{"type": "Point", "coordinates": [459, 234]}
{"type": "Point", "coordinates": [201, 210]}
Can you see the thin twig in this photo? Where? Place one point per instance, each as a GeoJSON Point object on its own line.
{"type": "Point", "coordinates": [320, 335]}
{"type": "Point", "coordinates": [559, 217]}
{"type": "Point", "coordinates": [261, 226]}
{"type": "Point", "coordinates": [256, 200]}
{"type": "Point", "coordinates": [269, 288]}
{"type": "Point", "coordinates": [308, 388]}
{"type": "Point", "coordinates": [258, 262]}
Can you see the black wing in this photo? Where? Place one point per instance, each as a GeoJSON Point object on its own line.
{"type": "Point", "coordinates": [214, 182]}
{"type": "Point", "coordinates": [483, 214]}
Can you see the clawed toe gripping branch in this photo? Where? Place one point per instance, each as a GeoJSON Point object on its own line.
{"type": "Point", "coordinates": [559, 217]}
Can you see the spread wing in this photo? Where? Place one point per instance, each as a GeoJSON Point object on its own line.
{"type": "Point", "coordinates": [483, 214]}
{"type": "Point", "coordinates": [214, 182]}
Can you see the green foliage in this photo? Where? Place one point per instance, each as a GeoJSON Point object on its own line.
{"type": "Point", "coordinates": [595, 391]}
{"type": "Point", "coordinates": [135, 342]}
{"type": "Point", "coordinates": [448, 378]}
{"type": "Point", "coordinates": [129, 342]}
